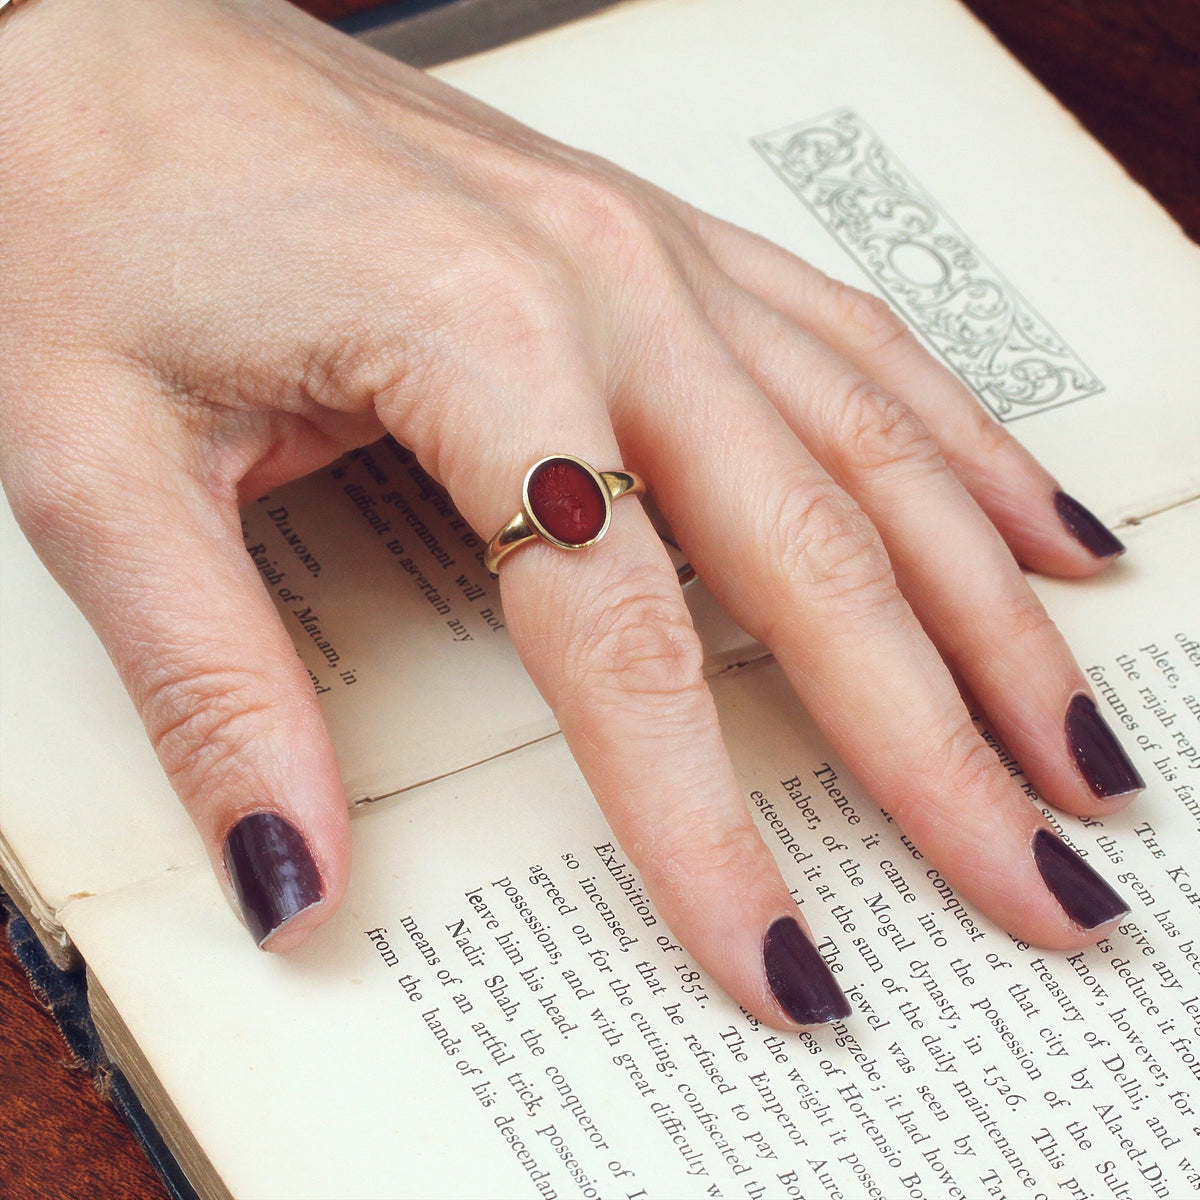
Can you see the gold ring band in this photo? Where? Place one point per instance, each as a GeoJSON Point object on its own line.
{"type": "Point", "coordinates": [564, 501]}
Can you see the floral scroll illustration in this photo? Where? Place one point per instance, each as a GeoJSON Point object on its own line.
{"type": "Point", "coordinates": [928, 269]}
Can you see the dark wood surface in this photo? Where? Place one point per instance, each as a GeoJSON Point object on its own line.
{"type": "Point", "coordinates": [1128, 69]}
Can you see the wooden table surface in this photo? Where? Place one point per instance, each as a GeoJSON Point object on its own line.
{"type": "Point", "coordinates": [1128, 69]}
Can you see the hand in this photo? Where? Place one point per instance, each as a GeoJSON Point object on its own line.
{"type": "Point", "coordinates": [237, 244]}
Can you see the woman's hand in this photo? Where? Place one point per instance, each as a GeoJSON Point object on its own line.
{"type": "Point", "coordinates": [236, 244]}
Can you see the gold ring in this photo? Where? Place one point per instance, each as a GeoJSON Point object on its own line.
{"type": "Point", "coordinates": [565, 502]}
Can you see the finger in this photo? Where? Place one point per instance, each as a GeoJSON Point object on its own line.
{"type": "Point", "coordinates": [950, 562]}
{"type": "Point", "coordinates": [608, 640]}
{"type": "Point", "coordinates": [154, 558]}
{"type": "Point", "coordinates": [1047, 529]}
{"type": "Point", "coordinates": [610, 643]}
{"type": "Point", "coordinates": [801, 567]}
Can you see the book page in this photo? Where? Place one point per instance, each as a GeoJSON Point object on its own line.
{"type": "Point", "coordinates": [382, 586]}
{"type": "Point", "coordinates": [498, 1009]}
{"type": "Point", "coordinates": [898, 147]}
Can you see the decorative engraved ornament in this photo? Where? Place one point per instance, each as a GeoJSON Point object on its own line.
{"type": "Point", "coordinates": [930, 271]}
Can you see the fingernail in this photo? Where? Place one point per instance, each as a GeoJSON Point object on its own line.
{"type": "Point", "coordinates": [272, 871]}
{"type": "Point", "coordinates": [800, 978]}
{"type": "Point", "coordinates": [1086, 528]}
{"type": "Point", "coordinates": [1084, 896]}
{"type": "Point", "coordinates": [1099, 756]}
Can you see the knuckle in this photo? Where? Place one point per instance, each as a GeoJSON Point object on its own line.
{"type": "Point", "coordinates": [523, 320]}
{"type": "Point", "coordinates": [492, 313]}
{"type": "Point", "coordinates": [642, 646]}
{"type": "Point", "coordinates": [702, 852]}
{"type": "Point", "coordinates": [599, 214]}
{"type": "Point", "coordinates": [869, 321]}
{"type": "Point", "coordinates": [993, 440]}
{"type": "Point", "coordinates": [1024, 619]}
{"type": "Point", "coordinates": [960, 765]}
{"type": "Point", "coordinates": [621, 237]}
{"type": "Point", "coordinates": [200, 721]}
{"type": "Point", "coordinates": [882, 433]}
{"type": "Point", "coordinates": [827, 544]}
{"type": "Point", "coordinates": [969, 764]}
{"type": "Point", "coordinates": [501, 294]}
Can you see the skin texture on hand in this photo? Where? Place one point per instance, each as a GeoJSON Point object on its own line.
{"type": "Point", "coordinates": [236, 244]}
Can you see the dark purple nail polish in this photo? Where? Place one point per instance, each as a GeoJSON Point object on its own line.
{"type": "Point", "coordinates": [272, 870]}
{"type": "Point", "coordinates": [1097, 753]}
{"type": "Point", "coordinates": [1086, 528]}
{"type": "Point", "coordinates": [800, 978]}
{"type": "Point", "coordinates": [1084, 896]}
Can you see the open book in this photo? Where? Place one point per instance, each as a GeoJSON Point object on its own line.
{"type": "Point", "coordinates": [497, 1010]}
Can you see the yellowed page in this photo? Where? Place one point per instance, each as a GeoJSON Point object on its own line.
{"type": "Point", "coordinates": [382, 587]}
{"type": "Point", "coordinates": [498, 1010]}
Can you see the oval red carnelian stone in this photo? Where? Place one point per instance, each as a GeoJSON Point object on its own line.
{"type": "Point", "coordinates": [567, 501]}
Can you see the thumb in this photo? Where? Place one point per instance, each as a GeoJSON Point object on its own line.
{"type": "Point", "coordinates": [153, 556]}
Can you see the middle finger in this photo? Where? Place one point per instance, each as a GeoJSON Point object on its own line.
{"type": "Point", "coordinates": [802, 567]}
{"type": "Point", "coordinates": [951, 562]}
